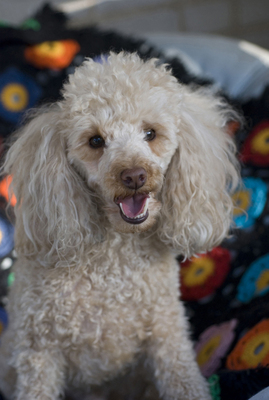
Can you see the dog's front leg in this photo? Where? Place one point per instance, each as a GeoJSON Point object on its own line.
{"type": "Point", "coordinates": [40, 375]}
{"type": "Point", "coordinates": [177, 374]}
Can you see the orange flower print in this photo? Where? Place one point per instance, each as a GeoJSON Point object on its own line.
{"type": "Point", "coordinates": [54, 55]}
{"type": "Point", "coordinates": [4, 190]}
{"type": "Point", "coordinates": [252, 350]}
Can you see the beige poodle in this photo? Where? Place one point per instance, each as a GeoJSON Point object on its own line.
{"type": "Point", "coordinates": [128, 170]}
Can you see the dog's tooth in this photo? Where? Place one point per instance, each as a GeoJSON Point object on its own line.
{"type": "Point", "coordinates": [122, 209]}
{"type": "Point", "coordinates": [145, 207]}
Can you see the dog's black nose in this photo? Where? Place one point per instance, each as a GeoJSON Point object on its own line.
{"type": "Point", "coordinates": [134, 178]}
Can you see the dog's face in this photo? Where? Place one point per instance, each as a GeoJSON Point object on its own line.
{"type": "Point", "coordinates": [127, 146]}
{"type": "Point", "coordinates": [122, 141]}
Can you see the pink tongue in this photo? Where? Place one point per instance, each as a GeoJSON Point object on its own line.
{"type": "Point", "coordinates": [133, 206]}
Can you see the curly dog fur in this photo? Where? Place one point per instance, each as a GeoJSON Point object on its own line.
{"type": "Point", "coordinates": [129, 169]}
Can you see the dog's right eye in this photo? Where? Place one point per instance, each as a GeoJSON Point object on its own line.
{"type": "Point", "coordinates": [150, 135]}
{"type": "Point", "coordinates": [96, 142]}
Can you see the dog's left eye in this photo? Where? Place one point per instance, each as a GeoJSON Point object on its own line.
{"type": "Point", "coordinates": [96, 142]}
{"type": "Point", "coordinates": [150, 134]}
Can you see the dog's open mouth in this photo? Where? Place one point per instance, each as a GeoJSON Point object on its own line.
{"type": "Point", "coordinates": [134, 209]}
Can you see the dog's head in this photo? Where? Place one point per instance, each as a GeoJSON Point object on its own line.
{"type": "Point", "coordinates": [127, 138]}
{"type": "Point", "coordinates": [129, 149]}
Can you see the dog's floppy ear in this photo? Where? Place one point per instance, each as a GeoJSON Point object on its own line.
{"type": "Point", "coordinates": [196, 196]}
{"type": "Point", "coordinates": [54, 211]}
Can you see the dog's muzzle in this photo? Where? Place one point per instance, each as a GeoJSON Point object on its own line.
{"type": "Point", "coordinates": [134, 208]}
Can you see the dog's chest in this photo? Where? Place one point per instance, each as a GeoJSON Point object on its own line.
{"type": "Point", "coordinates": [99, 315]}
{"type": "Point", "coordinates": [106, 319]}
{"type": "Point", "coordinates": [96, 307]}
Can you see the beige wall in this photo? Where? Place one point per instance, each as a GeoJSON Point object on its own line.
{"type": "Point", "coordinates": [244, 19]}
